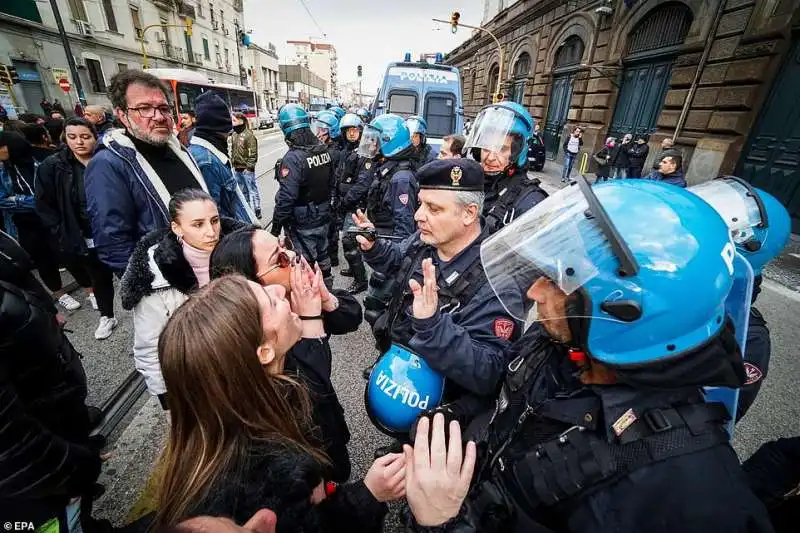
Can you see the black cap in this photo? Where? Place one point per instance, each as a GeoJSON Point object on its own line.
{"type": "Point", "coordinates": [459, 174]}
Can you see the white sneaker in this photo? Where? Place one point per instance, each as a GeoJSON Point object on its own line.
{"type": "Point", "coordinates": [69, 303]}
{"type": "Point", "coordinates": [105, 328]}
{"type": "Point", "coordinates": [92, 300]}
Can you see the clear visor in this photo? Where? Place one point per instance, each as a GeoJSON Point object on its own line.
{"type": "Point", "coordinates": [370, 141]}
{"type": "Point", "coordinates": [320, 128]}
{"type": "Point", "coordinates": [491, 129]}
{"type": "Point", "coordinates": [554, 249]}
{"type": "Point", "coordinates": [414, 126]}
{"type": "Point", "coordinates": [734, 203]}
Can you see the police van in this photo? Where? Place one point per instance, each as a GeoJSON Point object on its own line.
{"type": "Point", "coordinates": [431, 90]}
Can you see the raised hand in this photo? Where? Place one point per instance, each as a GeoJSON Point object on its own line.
{"type": "Point", "coordinates": [426, 297]}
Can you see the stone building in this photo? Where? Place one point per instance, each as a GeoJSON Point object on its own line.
{"type": "Point", "coordinates": [720, 76]}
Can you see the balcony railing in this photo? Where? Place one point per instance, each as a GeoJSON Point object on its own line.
{"type": "Point", "coordinates": [195, 58]}
{"type": "Point", "coordinates": [173, 52]}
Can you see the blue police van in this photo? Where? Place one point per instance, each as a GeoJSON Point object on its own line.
{"type": "Point", "coordinates": [431, 90]}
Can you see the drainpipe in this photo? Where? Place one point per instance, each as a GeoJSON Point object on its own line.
{"type": "Point", "coordinates": [703, 59]}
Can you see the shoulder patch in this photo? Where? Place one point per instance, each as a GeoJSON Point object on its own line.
{"type": "Point", "coordinates": [368, 165]}
{"type": "Point", "coordinates": [403, 199]}
{"type": "Point", "coordinates": [503, 328]}
{"type": "Point", "coordinates": [284, 172]}
{"type": "Point", "coordinates": [754, 374]}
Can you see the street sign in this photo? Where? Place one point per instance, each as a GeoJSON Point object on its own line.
{"type": "Point", "coordinates": [59, 73]}
{"type": "Point", "coordinates": [64, 84]}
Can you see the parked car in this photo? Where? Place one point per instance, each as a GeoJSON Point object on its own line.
{"type": "Point", "coordinates": [536, 152]}
{"type": "Point", "coordinates": [266, 120]}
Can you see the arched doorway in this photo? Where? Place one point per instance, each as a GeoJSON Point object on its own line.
{"type": "Point", "coordinates": [491, 85]}
{"type": "Point", "coordinates": [567, 61]}
{"type": "Point", "coordinates": [522, 67]}
{"type": "Point", "coordinates": [652, 46]}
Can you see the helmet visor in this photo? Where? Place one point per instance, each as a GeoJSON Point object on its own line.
{"type": "Point", "coordinates": [491, 129]}
{"type": "Point", "coordinates": [735, 203]}
{"type": "Point", "coordinates": [370, 142]}
{"type": "Point", "coordinates": [415, 126]}
{"type": "Point", "coordinates": [320, 128]}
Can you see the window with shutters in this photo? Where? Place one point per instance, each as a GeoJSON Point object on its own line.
{"type": "Point", "coordinates": [491, 86]}
{"type": "Point", "coordinates": [78, 10]}
{"type": "Point", "coordinates": [96, 75]}
{"type": "Point", "coordinates": [663, 27]}
{"type": "Point", "coordinates": [137, 21]}
{"type": "Point", "coordinates": [206, 52]}
{"type": "Point", "coordinates": [570, 53]}
{"type": "Point", "coordinates": [111, 20]}
{"type": "Point", "coordinates": [522, 68]}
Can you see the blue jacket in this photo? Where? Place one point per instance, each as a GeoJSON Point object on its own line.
{"type": "Point", "coordinates": [467, 345]}
{"type": "Point", "coordinates": [221, 182]}
{"type": "Point", "coordinates": [673, 179]}
{"type": "Point", "coordinates": [391, 204]}
{"type": "Point", "coordinates": [305, 182]}
{"type": "Point", "coordinates": [125, 198]}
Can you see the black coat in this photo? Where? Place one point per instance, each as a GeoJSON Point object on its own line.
{"type": "Point", "coordinates": [637, 154]}
{"type": "Point", "coordinates": [61, 204]}
{"type": "Point", "coordinates": [282, 479]}
{"type": "Point", "coordinates": [619, 156]}
{"type": "Point", "coordinates": [45, 457]}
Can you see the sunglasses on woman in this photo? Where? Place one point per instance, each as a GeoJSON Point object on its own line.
{"type": "Point", "coordinates": [284, 260]}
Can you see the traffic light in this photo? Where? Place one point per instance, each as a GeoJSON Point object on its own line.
{"type": "Point", "coordinates": [188, 23]}
{"type": "Point", "coordinates": [8, 75]}
{"type": "Point", "coordinates": [454, 21]}
{"type": "Point", "coordinates": [499, 97]}
{"type": "Point", "coordinates": [359, 71]}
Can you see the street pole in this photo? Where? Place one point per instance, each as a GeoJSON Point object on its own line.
{"type": "Point", "coordinates": [70, 58]}
{"type": "Point", "coordinates": [242, 78]}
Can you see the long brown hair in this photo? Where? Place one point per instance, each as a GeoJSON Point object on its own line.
{"type": "Point", "coordinates": [220, 398]}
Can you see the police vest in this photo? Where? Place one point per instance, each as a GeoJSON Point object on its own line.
{"type": "Point", "coordinates": [317, 176]}
{"type": "Point", "coordinates": [553, 458]}
{"type": "Point", "coordinates": [501, 212]}
{"type": "Point", "coordinates": [348, 171]}
{"type": "Point", "coordinates": [381, 213]}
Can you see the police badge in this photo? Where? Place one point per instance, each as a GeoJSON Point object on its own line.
{"type": "Point", "coordinates": [455, 176]}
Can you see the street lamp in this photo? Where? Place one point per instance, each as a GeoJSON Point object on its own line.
{"type": "Point", "coordinates": [455, 23]}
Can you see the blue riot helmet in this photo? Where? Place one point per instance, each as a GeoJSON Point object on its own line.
{"type": "Point", "coordinates": [326, 124]}
{"type": "Point", "coordinates": [292, 117]}
{"type": "Point", "coordinates": [417, 124]}
{"type": "Point", "coordinates": [339, 112]}
{"type": "Point", "coordinates": [351, 120]}
{"type": "Point", "coordinates": [760, 225]}
{"type": "Point", "coordinates": [364, 114]}
{"type": "Point", "coordinates": [647, 268]}
{"type": "Point", "coordinates": [387, 135]}
{"type": "Point", "coordinates": [498, 128]}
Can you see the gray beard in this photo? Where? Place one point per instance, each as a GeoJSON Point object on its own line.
{"type": "Point", "coordinates": [146, 137]}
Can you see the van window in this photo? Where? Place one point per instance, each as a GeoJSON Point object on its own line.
{"type": "Point", "coordinates": [404, 105]}
{"type": "Point", "coordinates": [440, 114]}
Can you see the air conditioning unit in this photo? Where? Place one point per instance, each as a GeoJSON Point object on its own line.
{"type": "Point", "coordinates": [84, 28]}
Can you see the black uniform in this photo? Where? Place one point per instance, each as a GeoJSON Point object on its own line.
{"type": "Point", "coordinates": [557, 455]}
{"type": "Point", "coordinates": [356, 175]}
{"type": "Point", "coordinates": [422, 156]}
{"type": "Point", "coordinates": [339, 148]}
{"type": "Point", "coordinates": [508, 197]}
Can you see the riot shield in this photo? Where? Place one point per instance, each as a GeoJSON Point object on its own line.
{"type": "Point", "coordinates": [737, 307]}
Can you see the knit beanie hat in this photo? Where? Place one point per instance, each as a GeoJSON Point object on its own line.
{"type": "Point", "coordinates": [213, 115]}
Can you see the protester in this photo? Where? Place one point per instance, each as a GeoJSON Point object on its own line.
{"type": "Point", "coordinates": [209, 147]}
{"type": "Point", "coordinates": [188, 121]}
{"type": "Point", "coordinates": [46, 455]}
{"type": "Point", "coordinates": [452, 145]}
{"type": "Point", "coordinates": [134, 171]}
{"type": "Point", "coordinates": [572, 146]}
{"type": "Point", "coordinates": [46, 106]}
{"type": "Point", "coordinates": [669, 170]}
{"type": "Point", "coordinates": [666, 146]}
{"type": "Point", "coordinates": [97, 116]}
{"type": "Point", "coordinates": [39, 139]}
{"type": "Point", "coordinates": [241, 442]}
{"type": "Point", "coordinates": [61, 204]}
{"type": "Point", "coordinates": [78, 110]}
{"type": "Point", "coordinates": [619, 158]}
{"type": "Point", "coordinates": [58, 108]}
{"type": "Point", "coordinates": [165, 267]}
{"type": "Point", "coordinates": [603, 160]}
{"type": "Point", "coordinates": [637, 155]}
{"type": "Point", "coordinates": [244, 155]}
{"type": "Point", "coordinates": [55, 127]}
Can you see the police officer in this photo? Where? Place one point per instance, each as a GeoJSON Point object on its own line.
{"type": "Point", "coordinates": [354, 177]}
{"type": "Point", "coordinates": [364, 114]}
{"type": "Point", "coordinates": [499, 140]}
{"type": "Point", "coordinates": [423, 153]}
{"type": "Point", "coordinates": [327, 129]}
{"type": "Point", "coordinates": [760, 227]}
{"type": "Point", "coordinates": [302, 203]}
{"type": "Point", "coordinates": [601, 424]}
{"type": "Point", "coordinates": [453, 320]}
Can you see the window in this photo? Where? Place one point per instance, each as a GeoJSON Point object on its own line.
{"type": "Point", "coordinates": [206, 53]}
{"type": "Point", "coordinates": [96, 75]}
{"type": "Point", "coordinates": [491, 86]}
{"type": "Point", "coordinates": [111, 20]}
{"type": "Point", "coordinates": [570, 52]}
{"type": "Point", "coordinates": [78, 10]}
{"type": "Point", "coordinates": [187, 94]}
{"type": "Point", "coordinates": [404, 105]}
{"type": "Point", "coordinates": [521, 69]}
{"type": "Point", "coordinates": [440, 114]}
{"type": "Point", "coordinates": [189, 51]}
{"type": "Point", "coordinates": [200, 8]}
{"type": "Point", "coordinates": [473, 84]}
{"type": "Point", "coordinates": [137, 22]}
{"type": "Point", "coordinates": [122, 67]}
{"type": "Point", "coordinates": [165, 30]}
{"type": "Point", "coordinates": [290, 86]}
{"type": "Point", "coordinates": [667, 25]}
{"type": "Point", "coordinates": [227, 57]}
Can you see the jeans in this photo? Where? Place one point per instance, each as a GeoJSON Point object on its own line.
{"type": "Point", "coordinates": [619, 172]}
{"type": "Point", "coordinates": [569, 161]}
{"type": "Point", "coordinates": [247, 182]}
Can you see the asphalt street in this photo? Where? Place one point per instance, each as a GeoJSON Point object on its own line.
{"type": "Point", "coordinates": [775, 414]}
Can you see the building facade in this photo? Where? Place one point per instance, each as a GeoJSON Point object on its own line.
{"type": "Point", "coordinates": [107, 36]}
{"type": "Point", "coordinates": [720, 76]}
{"type": "Point", "coordinates": [352, 94]}
{"type": "Point", "coordinates": [297, 84]}
{"type": "Point", "coordinates": [319, 58]}
{"type": "Point", "coordinates": [263, 75]}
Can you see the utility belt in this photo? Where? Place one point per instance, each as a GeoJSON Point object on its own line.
{"type": "Point", "coordinates": [306, 213]}
{"type": "Point", "coordinates": [579, 462]}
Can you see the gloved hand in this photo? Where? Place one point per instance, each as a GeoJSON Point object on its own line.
{"type": "Point", "coordinates": [447, 410]}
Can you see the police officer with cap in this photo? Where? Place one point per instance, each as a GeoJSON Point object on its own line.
{"type": "Point", "coordinates": [601, 424]}
{"type": "Point", "coordinates": [499, 141]}
{"type": "Point", "coordinates": [305, 176]}
{"type": "Point", "coordinates": [442, 309]}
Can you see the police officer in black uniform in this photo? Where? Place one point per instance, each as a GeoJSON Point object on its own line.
{"type": "Point", "coordinates": [423, 152]}
{"type": "Point", "coordinates": [602, 424]}
{"type": "Point", "coordinates": [499, 140]}
{"type": "Point", "coordinates": [302, 203]}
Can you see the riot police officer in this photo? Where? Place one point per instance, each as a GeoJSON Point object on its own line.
{"type": "Point", "coordinates": [601, 424]}
{"type": "Point", "coordinates": [302, 203]}
{"type": "Point", "coordinates": [364, 114]}
{"type": "Point", "coordinates": [760, 227]}
{"type": "Point", "coordinates": [499, 140]}
{"type": "Point", "coordinates": [453, 321]}
{"type": "Point", "coordinates": [423, 153]}
{"type": "Point", "coordinates": [354, 177]}
{"type": "Point", "coordinates": [327, 129]}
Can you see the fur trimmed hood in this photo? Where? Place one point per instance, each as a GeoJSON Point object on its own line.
{"type": "Point", "coordinates": [158, 263]}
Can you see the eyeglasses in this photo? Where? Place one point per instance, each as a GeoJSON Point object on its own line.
{"type": "Point", "coordinates": [148, 111]}
{"type": "Point", "coordinates": [284, 261]}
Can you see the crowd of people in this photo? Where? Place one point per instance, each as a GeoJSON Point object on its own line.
{"type": "Point", "coordinates": [530, 365]}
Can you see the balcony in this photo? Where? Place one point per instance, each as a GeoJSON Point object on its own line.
{"type": "Point", "coordinates": [169, 5]}
{"type": "Point", "coordinates": [195, 58]}
{"type": "Point", "coordinates": [185, 10]}
{"type": "Point", "coordinates": [173, 52]}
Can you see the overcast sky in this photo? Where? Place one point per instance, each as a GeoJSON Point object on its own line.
{"type": "Point", "coordinates": [367, 32]}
